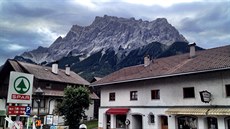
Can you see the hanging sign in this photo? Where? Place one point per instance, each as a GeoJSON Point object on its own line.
{"type": "Point", "coordinates": [20, 88]}
{"type": "Point", "coordinates": [205, 96]}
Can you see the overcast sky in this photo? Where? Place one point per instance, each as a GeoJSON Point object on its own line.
{"type": "Point", "coordinates": [27, 24]}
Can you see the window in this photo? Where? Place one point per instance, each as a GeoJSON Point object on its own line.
{"type": "Point", "coordinates": [120, 121]}
{"type": "Point", "coordinates": [227, 88]}
{"type": "Point", "coordinates": [189, 92]}
{"type": "Point", "coordinates": [133, 95]}
{"type": "Point", "coordinates": [155, 94]}
{"type": "Point", "coordinates": [187, 122]}
{"type": "Point", "coordinates": [112, 96]}
{"type": "Point", "coordinates": [42, 103]}
{"type": "Point", "coordinates": [151, 118]}
{"type": "Point", "coordinates": [212, 123]}
{"type": "Point", "coordinates": [48, 85]}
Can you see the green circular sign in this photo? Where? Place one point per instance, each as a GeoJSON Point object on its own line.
{"type": "Point", "coordinates": [21, 85]}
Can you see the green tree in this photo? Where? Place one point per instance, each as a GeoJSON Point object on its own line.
{"type": "Point", "coordinates": [73, 106]}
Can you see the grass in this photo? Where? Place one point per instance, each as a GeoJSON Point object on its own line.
{"type": "Point", "coordinates": [93, 124]}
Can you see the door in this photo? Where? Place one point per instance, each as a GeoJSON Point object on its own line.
{"type": "Point", "coordinates": [228, 123]}
{"type": "Point", "coordinates": [212, 123]}
{"type": "Point", "coordinates": [137, 122]}
{"type": "Point", "coordinates": [164, 122]}
{"type": "Point", "coordinates": [108, 122]}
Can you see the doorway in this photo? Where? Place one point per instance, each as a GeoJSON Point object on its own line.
{"type": "Point", "coordinates": [137, 122]}
{"type": "Point", "coordinates": [212, 123]}
{"type": "Point", "coordinates": [227, 122]}
{"type": "Point", "coordinates": [108, 122]}
{"type": "Point", "coordinates": [164, 122]}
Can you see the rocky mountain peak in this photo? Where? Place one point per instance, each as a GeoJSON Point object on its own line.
{"type": "Point", "coordinates": [105, 33]}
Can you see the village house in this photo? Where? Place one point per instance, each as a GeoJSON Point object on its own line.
{"type": "Point", "coordinates": [51, 80]}
{"type": "Point", "coordinates": [187, 91]}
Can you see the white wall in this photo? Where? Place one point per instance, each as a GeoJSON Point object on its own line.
{"type": "Point", "coordinates": [171, 89]}
{"type": "Point", "coordinates": [90, 111]}
{"type": "Point", "coordinates": [171, 94]}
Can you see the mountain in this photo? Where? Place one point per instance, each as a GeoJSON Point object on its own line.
{"type": "Point", "coordinates": [103, 63]}
{"type": "Point", "coordinates": [105, 33]}
{"type": "Point", "coordinates": [108, 44]}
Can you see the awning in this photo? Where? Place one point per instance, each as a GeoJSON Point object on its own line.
{"type": "Point", "coordinates": [187, 111]}
{"type": "Point", "coordinates": [117, 111]}
{"type": "Point", "coordinates": [219, 111]}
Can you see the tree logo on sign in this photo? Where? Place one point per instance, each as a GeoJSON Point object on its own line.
{"type": "Point", "coordinates": [21, 85]}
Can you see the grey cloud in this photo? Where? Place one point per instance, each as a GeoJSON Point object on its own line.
{"type": "Point", "coordinates": [213, 17]}
{"type": "Point", "coordinates": [60, 15]}
{"type": "Point", "coordinates": [17, 9]}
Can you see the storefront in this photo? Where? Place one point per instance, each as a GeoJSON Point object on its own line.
{"type": "Point", "coordinates": [207, 118]}
{"type": "Point", "coordinates": [116, 118]}
{"type": "Point", "coordinates": [187, 122]}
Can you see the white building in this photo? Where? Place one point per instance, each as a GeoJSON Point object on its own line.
{"type": "Point", "coordinates": [165, 93]}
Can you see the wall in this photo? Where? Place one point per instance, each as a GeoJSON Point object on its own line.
{"type": "Point", "coordinates": [89, 112]}
{"type": "Point", "coordinates": [171, 94]}
{"type": "Point", "coordinates": [171, 89]}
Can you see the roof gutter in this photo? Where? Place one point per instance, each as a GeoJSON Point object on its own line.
{"type": "Point", "coordinates": [162, 76]}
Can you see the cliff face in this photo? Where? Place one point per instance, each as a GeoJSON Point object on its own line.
{"type": "Point", "coordinates": [107, 33]}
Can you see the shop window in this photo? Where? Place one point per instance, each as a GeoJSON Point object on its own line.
{"type": "Point", "coordinates": [120, 121]}
{"type": "Point", "coordinates": [212, 123]}
{"type": "Point", "coordinates": [227, 88]}
{"type": "Point", "coordinates": [112, 96]}
{"type": "Point", "coordinates": [133, 95]}
{"type": "Point", "coordinates": [189, 92]}
{"type": "Point", "coordinates": [155, 94]}
{"type": "Point", "coordinates": [187, 122]}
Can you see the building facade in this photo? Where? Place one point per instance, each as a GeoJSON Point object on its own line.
{"type": "Point", "coordinates": [166, 93]}
{"type": "Point", "coordinates": [51, 80]}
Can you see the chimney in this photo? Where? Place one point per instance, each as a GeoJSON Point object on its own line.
{"type": "Point", "coordinates": [55, 67]}
{"type": "Point", "coordinates": [192, 52]}
{"type": "Point", "coordinates": [146, 60]}
{"type": "Point", "coordinates": [67, 69]}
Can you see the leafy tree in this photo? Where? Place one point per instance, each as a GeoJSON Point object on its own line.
{"type": "Point", "coordinates": [73, 106]}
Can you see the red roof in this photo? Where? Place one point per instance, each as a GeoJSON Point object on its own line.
{"type": "Point", "coordinates": [117, 111]}
{"type": "Point", "coordinates": [204, 61]}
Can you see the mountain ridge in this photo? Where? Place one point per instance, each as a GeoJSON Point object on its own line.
{"type": "Point", "coordinates": [109, 44]}
{"type": "Point", "coordinates": [105, 33]}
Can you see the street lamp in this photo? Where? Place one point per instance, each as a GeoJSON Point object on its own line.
{"type": "Point", "coordinates": [38, 92]}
